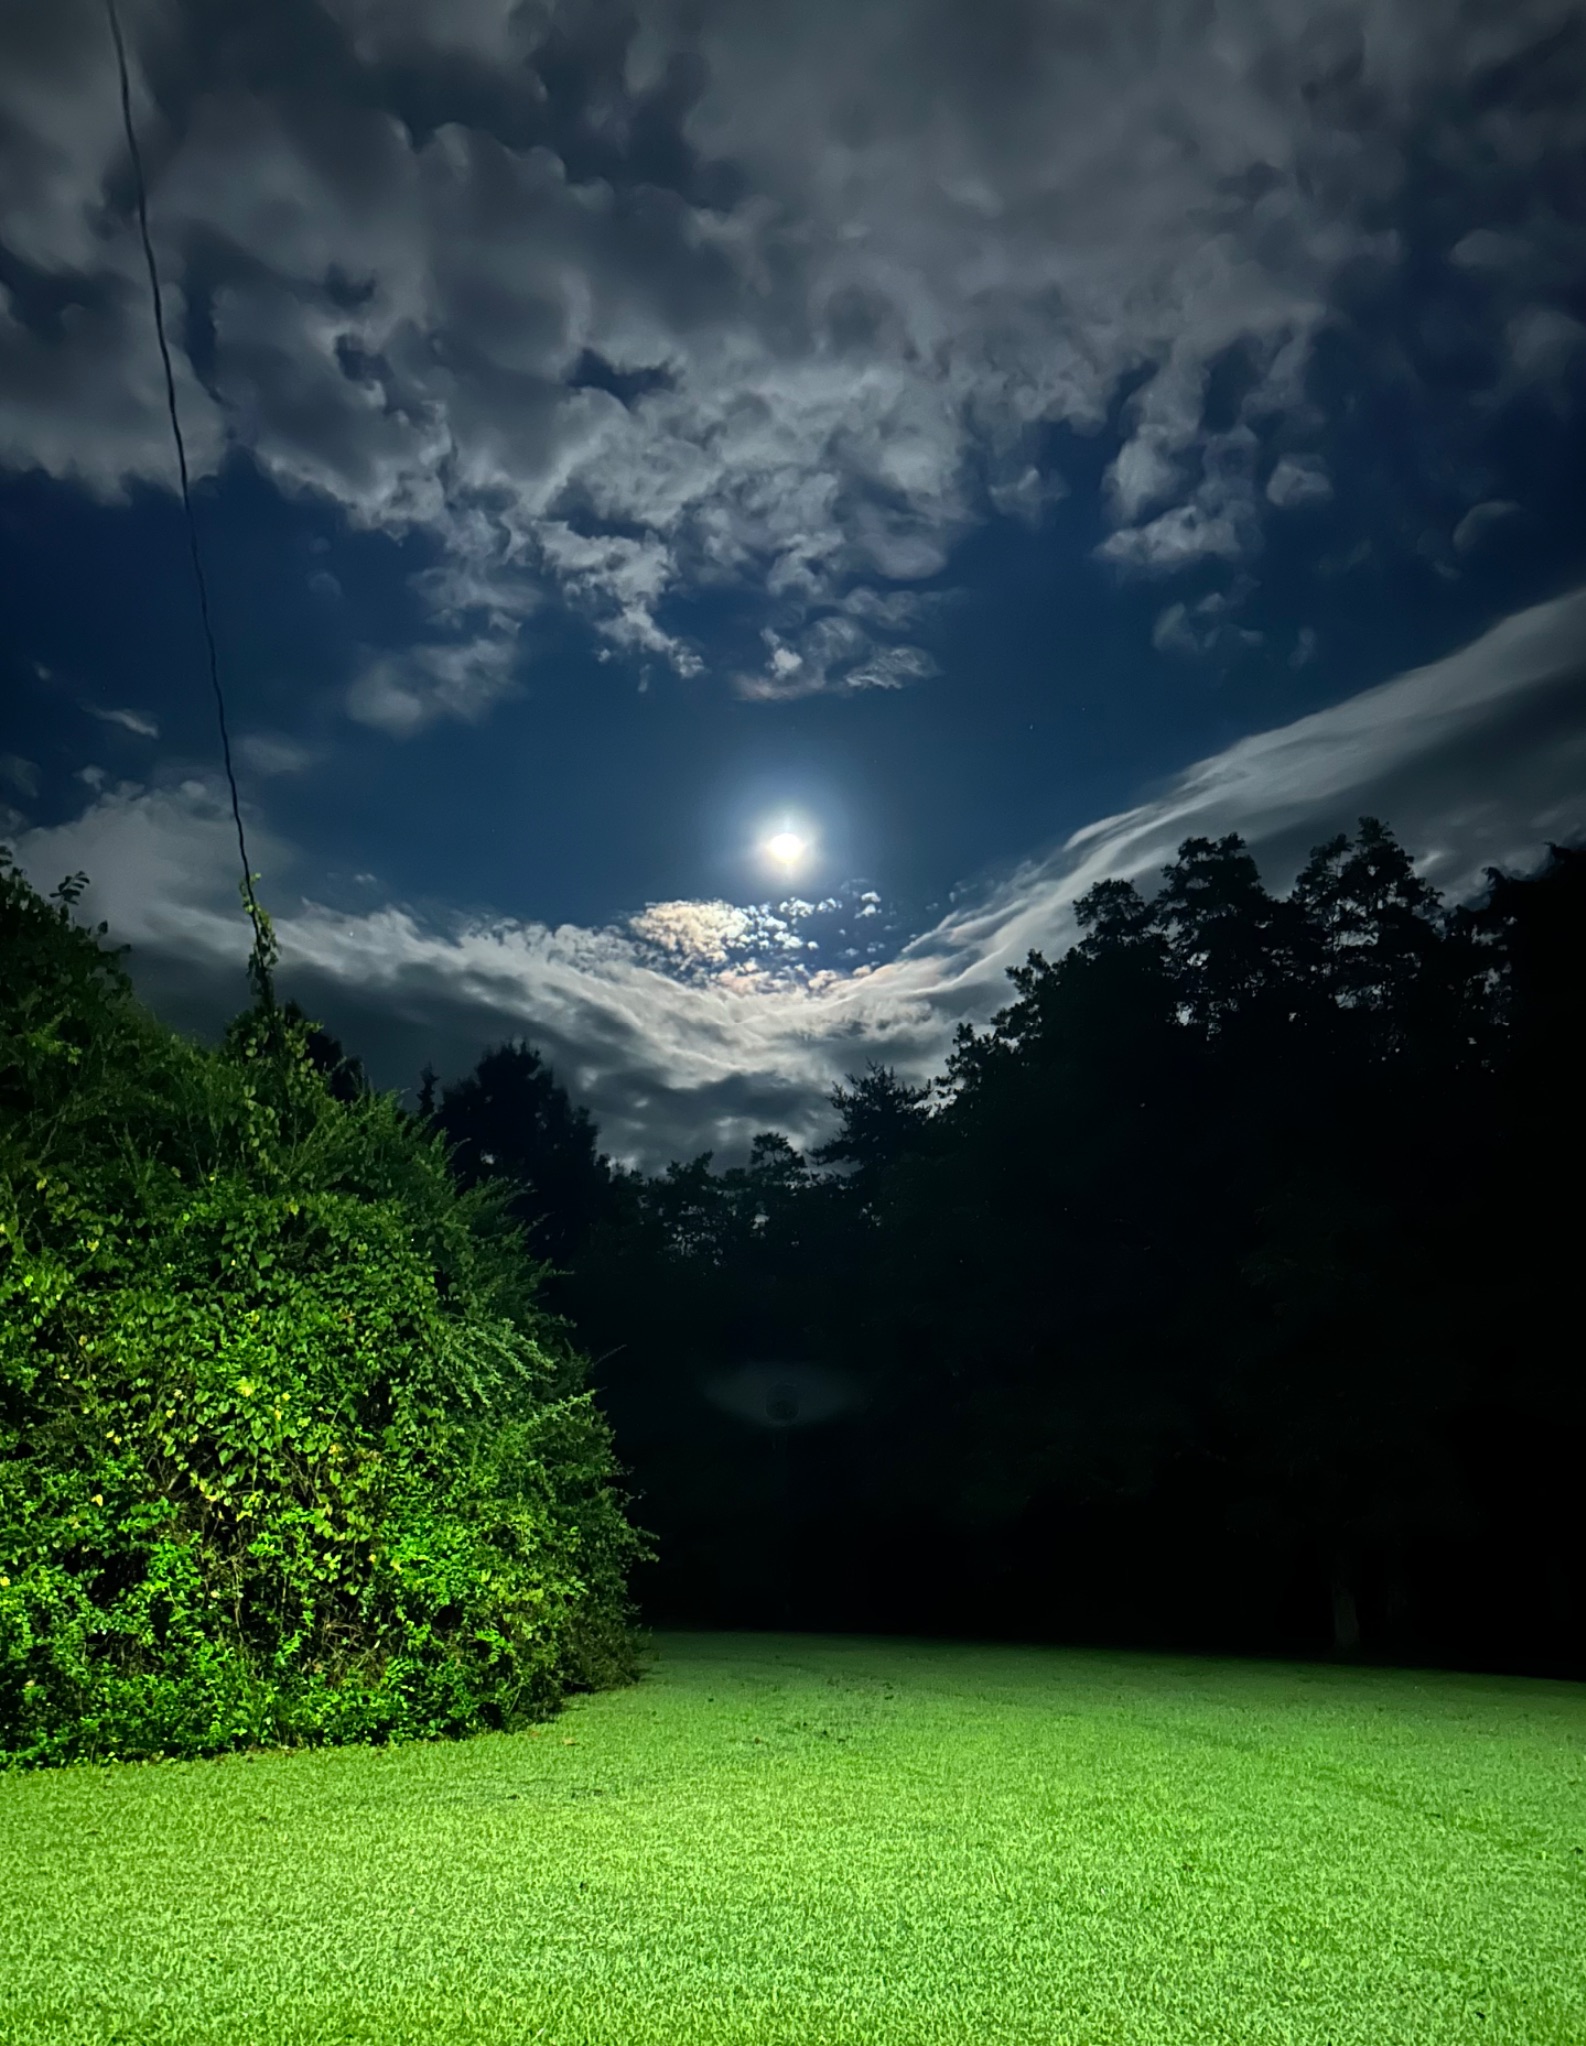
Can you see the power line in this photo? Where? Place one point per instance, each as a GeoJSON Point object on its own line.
{"type": "Point", "coordinates": [261, 955]}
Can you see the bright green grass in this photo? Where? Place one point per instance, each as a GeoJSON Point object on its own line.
{"type": "Point", "coordinates": [814, 1839]}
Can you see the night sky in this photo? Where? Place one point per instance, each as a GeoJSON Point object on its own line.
{"type": "Point", "coordinates": [989, 443]}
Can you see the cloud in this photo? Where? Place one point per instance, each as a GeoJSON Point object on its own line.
{"type": "Point", "coordinates": [20, 774]}
{"type": "Point", "coordinates": [834, 652]}
{"type": "Point", "coordinates": [620, 581]}
{"type": "Point", "coordinates": [1544, 343]}
{"type": "Point", "coordinates": [1479, 521]}
{"type": "Point", "coordinates": [81, 387]}
{"type": "Point", "coordinates": [1485, 249]}
{"type": "Point", "coordinates": [892, 667]}
{"type": "Point", "coordinates": [1474, 759]}
{"type": "Point", "coordinates": [746, 295]}
{"type": "Point", "coordinates": [756, 948]}
{"type": "Point", "coordinates": [1298, 479]}
{"type": "Point", "coordinates": [1177, 539]}
{"type": "Point", "coordinates": [401, 692]}
{"type": "Point", "coordinates": [1206, 626]}
{"type": "Point", "coordinates": [1173, 633]}
{"type": "Point", "coordinates": [1027, 495]}
{"type": "Point", "coordinates": [129, 720]}
{"type": "Point", "coordinates": [695, 1025]}
{"type": "Point", "coordinates": [1148, 468]}
{"type": "Point", "coordinates": [272, 753]}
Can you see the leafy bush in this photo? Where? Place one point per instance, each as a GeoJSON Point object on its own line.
{"type": "Point", "coordinates": [288, 1452]}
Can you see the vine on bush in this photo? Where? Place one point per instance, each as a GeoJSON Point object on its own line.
{"type": "Point", "coordinates": [288, 1452]}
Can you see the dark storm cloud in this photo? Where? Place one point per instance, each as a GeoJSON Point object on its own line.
{"type": "Point", "coordinates": [764, 296]}
{"type": "Point", "coordinates": [693, 1025]}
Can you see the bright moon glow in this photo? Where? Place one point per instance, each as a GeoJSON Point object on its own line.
{"type": "Point", "coordinates": [787, 847]}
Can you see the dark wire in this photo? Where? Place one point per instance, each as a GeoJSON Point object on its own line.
{"type": "Point", "coordinates": [187, 495]}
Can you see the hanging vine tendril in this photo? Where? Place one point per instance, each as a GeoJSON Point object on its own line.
{"type": "Point", "coordinates": [261, 960]}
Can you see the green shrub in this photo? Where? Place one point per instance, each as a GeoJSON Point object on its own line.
{"type": "Point", "coordinates": [288, 1453]}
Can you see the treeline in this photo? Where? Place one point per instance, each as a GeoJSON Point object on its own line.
{"type": "Point", "coordinates": [1222, 1294]}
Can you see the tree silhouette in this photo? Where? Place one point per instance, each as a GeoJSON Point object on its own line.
{"type": "Point", "coordinates": [882, 1118]}
{"type": "Point", "coordinates": [510, 1119]}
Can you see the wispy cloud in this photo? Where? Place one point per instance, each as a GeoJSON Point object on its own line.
{"type": "Point", "coordinates": [129, 720]}
{"type": "Point", "coordinates": [272, 753]}
{"type": "Point", "coordinates": [401, 692]}
{"type": "Point", "coordinates": [695, 1024]}
{"type": "Point", "coordinates": [1480, 520]}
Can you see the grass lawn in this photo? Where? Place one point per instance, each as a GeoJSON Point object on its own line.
{"type": "Point", "coordinates": [815, 1839]}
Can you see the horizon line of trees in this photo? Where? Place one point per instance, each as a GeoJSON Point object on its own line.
{"type": "Point", "coordinates": [1220, 1292]}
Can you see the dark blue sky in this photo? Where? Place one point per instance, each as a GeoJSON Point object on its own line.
{"type": "Point", "coordinates": [622, 432]}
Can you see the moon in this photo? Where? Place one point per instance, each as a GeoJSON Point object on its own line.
{"type": "Point", "coordinates": [786, 848]}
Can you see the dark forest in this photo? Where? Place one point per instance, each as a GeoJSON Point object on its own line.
{"type": "Point", "coordinates": [1221, 1295]}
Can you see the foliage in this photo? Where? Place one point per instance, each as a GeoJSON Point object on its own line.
{"type": "Point", "coordinates": [288, 1450]}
